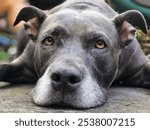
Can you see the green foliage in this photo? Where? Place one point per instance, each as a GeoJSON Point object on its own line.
{"type": "Point", "coordinates": [4, 55]}
{"type": "Point", "coordinates": [144, 40]}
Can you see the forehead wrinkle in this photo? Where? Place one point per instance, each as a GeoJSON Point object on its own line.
{"type": "Point", "coordinates": [57, 30]}
{"type": "Point", "coordinates": [77, 23]}
{"type": "Point", "coordinates": [70, 15]}
{"type": "Point", "coordinates": [94, 34]}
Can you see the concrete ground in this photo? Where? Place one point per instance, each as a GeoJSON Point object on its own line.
{"type": "Point", "coordinates": [17, 98]}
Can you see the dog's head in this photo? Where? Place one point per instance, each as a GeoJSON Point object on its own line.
{"type": "Point", "coordinates": [77, 52]}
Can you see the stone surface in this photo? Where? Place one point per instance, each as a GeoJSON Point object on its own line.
{"type": "Point", "coordinates": [17, 98]}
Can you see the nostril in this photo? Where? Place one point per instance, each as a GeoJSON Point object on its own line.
{"type": "Point", "coordinates": [66, 77]}
{"type": "Point", "coordinates": [66, 80]}
{"type": "Point", "coordinates": [56, 77]}
{"type": "Point", "coordinates": [73, 79]}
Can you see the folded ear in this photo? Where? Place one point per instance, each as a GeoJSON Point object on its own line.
{"type": "Point", "coordinates": [33, 18]}
{"type": "Point", "coordinates": [126, 24]}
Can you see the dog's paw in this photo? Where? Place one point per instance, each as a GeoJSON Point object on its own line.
{"type": "Point", "coordinates": [6, 71]}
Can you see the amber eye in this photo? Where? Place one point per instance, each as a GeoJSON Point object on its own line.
{"type": "Point", "coordinates": [48, 41]}
{"type": "Point", "coordinates": [100, 44]}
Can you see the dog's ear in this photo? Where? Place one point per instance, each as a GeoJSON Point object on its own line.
{"type": "Point", "coordinates": [33, 18]}
{"type": "Point", "coordinates": [126, 24]}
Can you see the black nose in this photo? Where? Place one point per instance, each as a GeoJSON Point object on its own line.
{"type": "Point", "coordinates": [66, 80]}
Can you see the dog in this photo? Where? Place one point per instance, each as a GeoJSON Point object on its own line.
{"type": "Point", "coordinates": [76, 52]}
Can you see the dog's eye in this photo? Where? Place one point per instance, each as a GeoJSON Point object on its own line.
{"type": "Point", "coordinates": [100, 44]}
{"type": "Point", "coordinates": [48, 41]}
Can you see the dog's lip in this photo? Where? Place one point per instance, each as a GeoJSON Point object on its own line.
{"type": "Point", "coordinates": [67, 106]}
{"type": "Point", "coordinates": [65, 91]}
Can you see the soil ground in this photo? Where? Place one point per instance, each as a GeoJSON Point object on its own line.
{"type": "Point", "coordinates": [17, 98]}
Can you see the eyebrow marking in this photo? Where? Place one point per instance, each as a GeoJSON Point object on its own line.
{"type": "Point", "coordinates": [59, 30]}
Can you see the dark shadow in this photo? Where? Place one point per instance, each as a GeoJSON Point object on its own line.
{"type": "Point", "coordinates": [9, 85]}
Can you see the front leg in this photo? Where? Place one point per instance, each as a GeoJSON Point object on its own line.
{"type": "Point", "coordinates": [16, 73]}
{"type": "Point", "coordinates": [146, 74]}
{"type": "Point", "coordinates": [141, 78]}
{"type": "Point", "coordinates": [21, 70]}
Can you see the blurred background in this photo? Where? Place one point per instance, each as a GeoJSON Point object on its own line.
{"type": "Point", "coordinates": [10, 8]}
{"type": "Point", "coordinates": [144, 7]}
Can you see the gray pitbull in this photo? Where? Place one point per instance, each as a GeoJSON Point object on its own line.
{"type": "Point", "coordinates": [77, 51]}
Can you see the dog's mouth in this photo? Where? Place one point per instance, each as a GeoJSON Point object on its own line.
{"type": "Point", "coordinates": [66, 106]}
{"type": "Point", "coordinates": [66, 102]}
{"type": "Point", "coordinates": [62, 105]}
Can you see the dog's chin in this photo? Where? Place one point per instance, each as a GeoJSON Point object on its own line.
{"type": "Point", "coordinates": [64, 105]}
{"type": "Point", "coordinates": [70, 103]}
{"type": "Point", "coordinates": [74, 100]}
